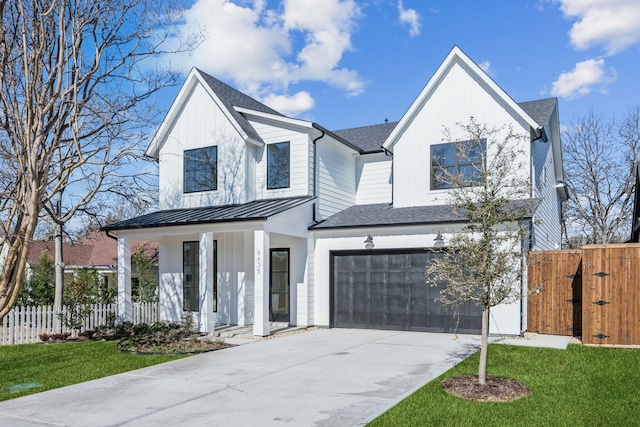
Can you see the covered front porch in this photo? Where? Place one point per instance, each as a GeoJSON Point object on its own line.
{"type": "Point", "coordinates": [243, 271]}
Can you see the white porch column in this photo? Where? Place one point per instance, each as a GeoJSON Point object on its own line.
{"type": "Point", "coordinates": [124, 280]}
{"type": "Point", "coordinates": [261, 274]}
{"type": "Point", "coordinates": [207, 316]}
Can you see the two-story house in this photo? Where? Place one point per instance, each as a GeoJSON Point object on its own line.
{"type": "Point", "coordinates": [270, 218]}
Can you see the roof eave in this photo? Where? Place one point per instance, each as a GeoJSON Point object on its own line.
{"type": "Point", "coordinates": [337, 138]}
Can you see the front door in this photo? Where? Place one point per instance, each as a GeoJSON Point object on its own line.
{"type": "Point", "coordinates": [279, 285]}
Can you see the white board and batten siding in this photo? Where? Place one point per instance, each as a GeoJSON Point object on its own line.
{"type": "Point", "coordinates": [299, 161]}
{"type": "Point", "coordinates": [336, 177]}
{"type": "Point", "coordinates": [199, 124]}
{"type": "Point", "coordinates": [455, 99]}
{"type": "Point", "coordinates": [547, 234]}
{"type": "Point", "coordinates": [374, 180]}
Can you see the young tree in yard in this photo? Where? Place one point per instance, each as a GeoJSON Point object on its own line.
{"type": "Point", "coordinates": [76, 87]}
{"type": "Point", "coordinates": [39, 290]}
{"type": "Point", "coordinates": [490, 187]}
{"type": "Point", "coordinates": [600, 162]}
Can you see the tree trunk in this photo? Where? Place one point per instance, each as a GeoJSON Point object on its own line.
{"type": "Point", "coordinates": [15, 262]}
{"type": "Point", "coordinates": [59, 263]}
{"type": "Point", "coordinates": [59, 260]}
{"type": "Point", "coordinates": [482, 368]}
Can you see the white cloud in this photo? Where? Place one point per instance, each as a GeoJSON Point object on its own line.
{"type": "Point", "coordinates": [411, 18]}
{"type": "Point", "coordinates": [486, 67]}
{"type": "Point", "coordinates": [263, 51]}
{"type": "Point", "coordinates": [615, 24]}
{"type": "Point", "coordinates": [290, 105]}
{"type": "Point", "coordinates": [327, 27]}
{"type": "Point", "coordinates": [581, 80]}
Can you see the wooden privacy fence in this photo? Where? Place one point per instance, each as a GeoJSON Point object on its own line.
{"type": "Point", "coordinates": [24, 325]}
{"type": "Point", "coordinates": [593, 293]}
{"type": "Point", "coordinates": [555, 285]}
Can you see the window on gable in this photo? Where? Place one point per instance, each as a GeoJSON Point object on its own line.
{"type": "Point", "coordinates": [200, 169]}
{"type": "Point", "coordinates": [278, 165]}
{"type": "Point", "coordinates": [457, 159]}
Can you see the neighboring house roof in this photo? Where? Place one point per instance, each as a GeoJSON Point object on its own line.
{"type": "Point", "coordinates": [540, 110]}
{"type": "Point", "coordinates": [94, 250]}
{"type": "Point", "coordinates": [368, 138]}
{"type": "Point", "coordinates": [253, 211]}
{"type": "Point", "coordinates": [384, 214]}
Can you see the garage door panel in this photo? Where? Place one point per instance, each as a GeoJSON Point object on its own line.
{"type": "Point", "coordinates": [388, 290]}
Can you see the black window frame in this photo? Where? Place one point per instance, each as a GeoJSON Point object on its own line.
{"type": "Point", "coordinates": [199, 161]}
{"type": "Point", "coordinates": [277, 181]}
{"type": "Point", "coordinates": [195, 278]}
{"type": "Point", "coordinates": [188, 296]}
{"type": "Point", "coordinates": [457, 165]}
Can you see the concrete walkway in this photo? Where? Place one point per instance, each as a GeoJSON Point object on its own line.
{"type": "Point", "coordinates": [323, 377]}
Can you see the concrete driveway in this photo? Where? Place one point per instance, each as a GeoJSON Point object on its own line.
{"type": "Point", "coordinates": [324, 377]}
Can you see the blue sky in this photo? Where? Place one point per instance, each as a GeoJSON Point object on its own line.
{"type": "Point", "coordinates": [346, 63]}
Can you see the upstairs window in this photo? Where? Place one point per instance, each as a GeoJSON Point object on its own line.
{"type": "Point", "coordinates": [200, 169]}
{"type": "Point", "coordinates": [278, 165]}
{"type": "Point", "coordinates": [457, 159]}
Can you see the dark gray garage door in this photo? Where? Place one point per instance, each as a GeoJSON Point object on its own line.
{"type": "Point", "coordinates": [388, 290]}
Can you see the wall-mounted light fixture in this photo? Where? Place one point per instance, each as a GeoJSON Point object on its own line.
{"type": "Point", "coordinates": [439, 240]}
{"type": "Point", "coordinates": [368, 244]}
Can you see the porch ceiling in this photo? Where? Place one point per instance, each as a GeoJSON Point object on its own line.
{"type": "Point", "coordinates": [253, 211]}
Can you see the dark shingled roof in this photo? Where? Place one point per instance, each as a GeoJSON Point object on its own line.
{"type": "Point", "coordinates": [539, 110]}
{"type": "Point", "coordinates": [231, 97]}
{"type": "Point", "coordinates": [368, 138]}
{"type": "Point", "coordinates": [386, 215]}
{"type": "Point", "coordinates": [252, 211]}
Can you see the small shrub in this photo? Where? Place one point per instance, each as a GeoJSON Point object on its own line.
{"type": "Point", "coordinates": [187, 323]}
{"type": "Point", "coordinates": [44, 337]}
{"type": "Point", "coordinates": [124, 329]}
{"type": "Point", "coordinates": [110, 320]}
{"type": "Point", "coordinates": [88, 334]}
{"type": "Point", "coordinates": [59, 337]}
{"type": "Point", "coordinates": [141, 329]}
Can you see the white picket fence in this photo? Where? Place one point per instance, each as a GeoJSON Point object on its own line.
{"type": "Point", "coordinates": [24, 325]}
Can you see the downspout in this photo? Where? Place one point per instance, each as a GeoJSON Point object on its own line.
{"type": "Point", "coordinates": [390, 154]}
{"type": "Point", "coordinates": [527, 246]}
{"type": "Point", "coordinates": [315, 175]}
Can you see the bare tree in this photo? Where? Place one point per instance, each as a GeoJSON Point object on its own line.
{"type": "Point", "coordinates": [600, 162]}
{"type": "Point", "coordinates": [76, 85]}
{"type": "Point", "coordinates": [490, 187]}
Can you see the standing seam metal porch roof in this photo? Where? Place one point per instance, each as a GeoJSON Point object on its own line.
{"type": "Point", "coordinates": [258, 210]}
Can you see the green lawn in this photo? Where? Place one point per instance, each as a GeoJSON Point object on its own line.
{"type": "Point", "coordinates": [580, 386]}
{"type": "Point", "coordinates": [58, 365]}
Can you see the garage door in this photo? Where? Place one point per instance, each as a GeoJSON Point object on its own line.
{"type": "Point", "coordinates": [388, 290]}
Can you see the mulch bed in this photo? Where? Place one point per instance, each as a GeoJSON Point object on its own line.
{"type": "Point", "coordinates": [187, 346]}
{"type": "Point", "coordinates": [496, 389]}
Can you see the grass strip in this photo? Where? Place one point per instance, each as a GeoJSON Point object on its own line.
{"type": "Point", "coordinates": [578, 386]}
{"type": "Point", "coordinates": [59, 365]}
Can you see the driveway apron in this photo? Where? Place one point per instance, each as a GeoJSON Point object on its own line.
{"type": "Point", "coordinates": [323, 377]}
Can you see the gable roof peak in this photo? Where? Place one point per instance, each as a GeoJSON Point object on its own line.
{"type": "Point", "coordinates": [455, 55]}
{"type": "Point", "coordinates": [225, 96]}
